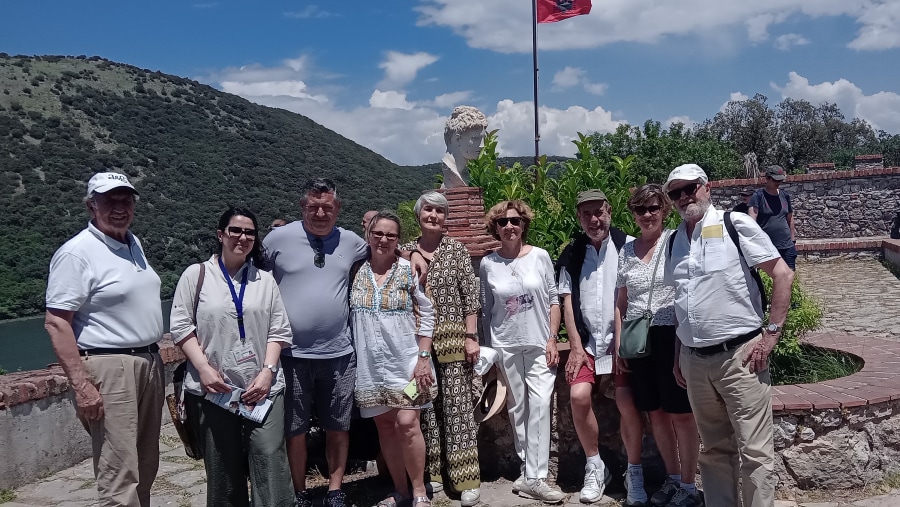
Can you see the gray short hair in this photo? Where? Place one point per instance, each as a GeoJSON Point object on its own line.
{"type": "Point", "coordinates": [433, 198]}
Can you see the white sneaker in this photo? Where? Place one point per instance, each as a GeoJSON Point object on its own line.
{"type": "Point", "coordinates": [634, 485]}
{"type": "Point", "coordinates": [540, 490]}
{"type": "Point", "coordinates": [470, 497]}
{"type": "Point", "coordinates": [519, 484]}
{"type": "Point", "coordinates": [595, 482]}
{"type": "Point", "coordinates": [434, 487]}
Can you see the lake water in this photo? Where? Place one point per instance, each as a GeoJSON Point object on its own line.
{"type": "Point", "coordinates": [24, 344]}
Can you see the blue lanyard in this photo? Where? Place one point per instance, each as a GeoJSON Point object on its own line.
{"type": "Point", "coordinates": [238, 300]}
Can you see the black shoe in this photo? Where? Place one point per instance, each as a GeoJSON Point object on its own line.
{"type": "Point", "coordinates": [336, 498]}
{"type": "Point", "coordinates": [301, 499]}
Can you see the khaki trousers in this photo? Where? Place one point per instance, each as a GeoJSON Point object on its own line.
{"type": "Point", "coordinates": [733, 410]}
{"type": "Point", "coordinates": [126, 441]}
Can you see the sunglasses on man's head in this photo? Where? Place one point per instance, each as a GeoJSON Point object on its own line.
{"type": "Point", "coordinates": [319, 259]}
{"type": "Point", "coordinates": [236, 232]}
{"type": "Point", "coordinates": [502, 221]}
{"type": "Point", "coordinates": [686, 190]}
{"type": "Point", "coordinates": [642, 210]}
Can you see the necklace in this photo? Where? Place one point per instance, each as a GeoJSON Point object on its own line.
{"type": "Point", "coordinates": [512, 267]}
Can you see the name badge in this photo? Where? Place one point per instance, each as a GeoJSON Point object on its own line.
{"type": "Point", "coordinates": [243, 354]}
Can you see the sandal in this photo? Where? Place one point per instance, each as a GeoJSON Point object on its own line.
{"type": "Point", "coordinates": [395, 499]}
{"type": "Point", "coordinates": [421, 501]}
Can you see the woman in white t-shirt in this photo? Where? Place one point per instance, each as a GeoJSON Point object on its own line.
{"type": "Point", "coordinates": [651, 378]}
{"type": "Point", "coordinates": [521, 320]}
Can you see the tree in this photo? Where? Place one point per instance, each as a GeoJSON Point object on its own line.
{"type": "Point", "coordinates": [748, 126]}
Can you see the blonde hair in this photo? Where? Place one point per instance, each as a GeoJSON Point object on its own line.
{"type": "Point", "coordinates": [499, 211]}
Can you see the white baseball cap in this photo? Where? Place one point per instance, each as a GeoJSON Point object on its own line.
{"type": "Point", "coordinates": [102, 183]}
{"type": "Point", "coordinates": [686, 172]}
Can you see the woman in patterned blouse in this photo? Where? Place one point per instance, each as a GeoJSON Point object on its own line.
{"type": "Point", "coordinates": [392, 324]}
{"type": "Point", "coordinates": [449, 427]}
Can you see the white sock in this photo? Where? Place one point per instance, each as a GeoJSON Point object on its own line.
{"type": "Point", "coordinates": [690, 487]}
{"type": "Point", "coordinates": [596, 461]}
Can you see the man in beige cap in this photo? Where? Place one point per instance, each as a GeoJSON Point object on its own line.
{"type": "Point", "coordinates": [586, 274]}
{"type": "Point", "coordinates": [723, 346]}
{"type": "Point", "coordinates": [104, 319]}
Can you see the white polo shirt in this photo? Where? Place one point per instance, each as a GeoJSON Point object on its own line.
{"type": "Point", "coordinates": [111, 288]}
{"type": "Point", "coordinates": [716, 298]}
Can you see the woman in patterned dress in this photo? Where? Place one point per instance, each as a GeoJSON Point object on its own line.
{"type": "Point", "coordinates": [449, 427]}
{"type": "Point", "coordinates": [392, 323]}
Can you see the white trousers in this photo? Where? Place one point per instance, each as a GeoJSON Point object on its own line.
{"type": "Point", "coordinates": [528, 401]}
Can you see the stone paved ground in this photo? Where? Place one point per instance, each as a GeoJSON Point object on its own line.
{"type": "Point", "coordinates": [859, 296]}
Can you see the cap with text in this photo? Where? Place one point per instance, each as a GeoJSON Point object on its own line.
{"type": "Point", "coordinates": [776, 172]}
{"type": "Point", "coordinates": [686, 172]}
{"type": "Point", "coordinates": [590, 195]}
{"type": "Point", "coordinates": [102, 183]}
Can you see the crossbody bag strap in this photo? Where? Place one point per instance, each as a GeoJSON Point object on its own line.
{"type": "Point", "coordinates": [181, 413]}
{"type": "Point", "coordinates": [649, 312]}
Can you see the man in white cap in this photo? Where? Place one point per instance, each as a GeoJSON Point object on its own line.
{"type": "Point", "coordinates": [104, 319]}
{"type": "Point", "coordinates": [723, 348]}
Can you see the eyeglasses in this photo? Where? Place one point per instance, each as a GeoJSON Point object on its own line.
{"type": "Point", "coordinates": [502, 221]}
{"type": "Point", "coordinates": [642, 210]}
{"type": "Point", "coordinates": [314, 209]}
{"type": "Point", "coordinates": [237, 232]}
{"type": "Point", "coordinates": [319, 259]}
{"type": "Point", "coordinates": [381, 234]}
{"type": "Point", "coordinates": [686, 190]}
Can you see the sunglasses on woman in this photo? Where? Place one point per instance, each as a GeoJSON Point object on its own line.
{"type": "Point", "coordinates": [516, 221]}
{"type": "Point", "coordinates": [236, 232]}
{"type": "Point", "coordinates": [642, 210]}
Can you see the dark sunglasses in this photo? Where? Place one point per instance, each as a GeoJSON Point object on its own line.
{"type": "Point", "coordinates": [319, 259]}
{"type": "Point", "coordinates": [516, 221]}
{"type": "Point", "coordinates": [380, 234]}
{"type": "Point", "coordinates": [642, 210]}
{"type": "Point", "coordinates": [236, 232]}
{"type": "Point", "coordinates": [686, 190]}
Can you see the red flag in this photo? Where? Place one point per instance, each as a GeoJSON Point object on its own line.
{"type": "Point", "coordinates": [551, 11]}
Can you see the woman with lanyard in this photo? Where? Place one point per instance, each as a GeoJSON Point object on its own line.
{"type": "Point", "coordinates": [232, 329]}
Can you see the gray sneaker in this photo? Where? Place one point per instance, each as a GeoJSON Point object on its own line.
{"type": "Point", "coordinates": [634, 486]}
{"type": "Point", "coordinates": [666, 492]}
{"type": "Point", "coordinates": [519, 484]}
{"type": "Point", "coordinates": [684, 499]}
{"type": "Point", "coordinates": [540, 490]}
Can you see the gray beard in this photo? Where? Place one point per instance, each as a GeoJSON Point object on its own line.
{"type": "Point", "coordinates": [695, 210]}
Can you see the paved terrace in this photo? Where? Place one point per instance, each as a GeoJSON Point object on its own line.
{"type": "Point", "coordinates": [860, 296]}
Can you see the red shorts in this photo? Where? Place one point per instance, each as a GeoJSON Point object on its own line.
{"type": "Point", "coordinates": [585, 374]}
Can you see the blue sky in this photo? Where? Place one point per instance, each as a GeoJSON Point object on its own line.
{"type": "Point", "coordinates": [386, 73]}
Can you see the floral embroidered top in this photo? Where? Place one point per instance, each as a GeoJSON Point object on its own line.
{"type": "Point", "coordinates": [453, 289]}
{"type": "Point", "coordinates": [636, 276]}
{"type": "Point", "coordinates": [387, 322]}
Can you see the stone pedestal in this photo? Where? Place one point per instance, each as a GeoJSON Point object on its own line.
{"type": "Point", "coordinates": [465, 222]}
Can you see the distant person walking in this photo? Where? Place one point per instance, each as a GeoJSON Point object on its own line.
{"type": "Point", "coordinates": [104, 318]}
{"type": "Point", "coordinates": [235, 342]}
{"type": "Point", "coordinates": [773, 211]}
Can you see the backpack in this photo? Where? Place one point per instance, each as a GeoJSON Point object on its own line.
{"type": "Point", "coordinates": [754, 273]}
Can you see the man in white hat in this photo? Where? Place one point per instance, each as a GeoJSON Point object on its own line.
{"type": "Point", "coordinates": [104, 319]}
{"type": "Point", "coordinates": [723, 348]}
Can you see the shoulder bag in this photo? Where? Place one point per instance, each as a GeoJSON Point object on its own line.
{"type": "Point", "coordinates": [633, 342]}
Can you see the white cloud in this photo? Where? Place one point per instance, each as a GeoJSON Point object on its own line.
{"type": "Point", "coordinates": [574, 76]}
{"type": "Point", "coordinates": [309, 12]}
{"type": "Point", "coordinates": [568, 77]}
{"type": "Point", "coordinates": [401, 68]}
{"type": "Point", "coordinates": [451, 99]}
{"type": "Point", "coordinates": [498, 25]}
{"type": "Point", "coordinates": [789, 40]}
{"type": "Point", "coordinates": [296, 89]}
{"type": "Point", "coordinates": [683, 119]}
{"type": "Point", "coordinates": [735, 97]}
{"type": "Point", "coordinates": [390, 100]}
{"type": "Point", "coordinates": [881, 110]}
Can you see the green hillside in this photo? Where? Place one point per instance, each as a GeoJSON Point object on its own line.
{"type": "Point", "coordinates": [191, 151]}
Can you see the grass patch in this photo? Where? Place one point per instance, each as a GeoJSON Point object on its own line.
{"type": "Point", "coordinates": [812, 364]}
{"type": "Point", "coordinates": [7, 495]}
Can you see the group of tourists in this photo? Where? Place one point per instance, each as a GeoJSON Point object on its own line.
{"type": "Point", "coordinates": [318, 325]}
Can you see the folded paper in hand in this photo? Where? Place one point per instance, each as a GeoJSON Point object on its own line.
{"type": "Point", "coordinates": [232, 403]}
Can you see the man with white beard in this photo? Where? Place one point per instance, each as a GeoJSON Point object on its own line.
{"type": "Point", "coordinates": [722, 353]}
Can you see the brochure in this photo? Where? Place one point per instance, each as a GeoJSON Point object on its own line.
{"type": "Point", "coordinates": [232, 403]}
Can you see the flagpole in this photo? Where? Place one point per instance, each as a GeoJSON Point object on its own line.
{"type": "Point", "coordinates": [537, 133]}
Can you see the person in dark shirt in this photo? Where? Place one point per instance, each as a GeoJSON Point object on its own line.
{"type": "Point", "coordinates": [773, 212]}
{"type": "Point", "coordinates": [745, 199]}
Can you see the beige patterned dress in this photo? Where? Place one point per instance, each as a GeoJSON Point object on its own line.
{"type": "Point", "coordinates": [451, 435]}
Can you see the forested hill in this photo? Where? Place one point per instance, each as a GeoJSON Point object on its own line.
{"type": "Point", "coordinates": [191, 151]}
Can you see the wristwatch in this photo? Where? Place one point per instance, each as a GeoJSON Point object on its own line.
{"type": "Point", "coordinates": [773, 328]}
{"type": "Point", "coordinates": [424, 354]}
{"type": "Point", "coordinates": [272, 368]}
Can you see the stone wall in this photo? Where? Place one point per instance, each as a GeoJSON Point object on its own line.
{"type": "Point", "coordinates": [839, 204]}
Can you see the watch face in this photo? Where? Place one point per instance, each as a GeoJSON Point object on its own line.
{"type": "Point", "coordinates": [772, 328]}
